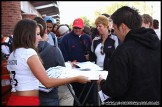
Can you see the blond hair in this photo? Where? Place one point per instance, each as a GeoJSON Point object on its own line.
{"type": "Point", "coordinates": [102, 20]}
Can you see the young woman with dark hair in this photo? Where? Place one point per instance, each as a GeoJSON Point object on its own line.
{"type": "Point", "coordinates": [26, 69]}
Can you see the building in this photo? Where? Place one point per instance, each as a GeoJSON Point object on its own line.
{"type": "Point", "coordinates": [13, 11]}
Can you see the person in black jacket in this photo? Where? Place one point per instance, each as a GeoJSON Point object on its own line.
{"type": "Point", "coordinates": [135, 66]}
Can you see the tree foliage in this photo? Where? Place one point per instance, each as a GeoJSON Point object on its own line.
{"type": "Point", "coordinates": [86, 20]}
{"type": "Point", "coordinates": [141, 6]}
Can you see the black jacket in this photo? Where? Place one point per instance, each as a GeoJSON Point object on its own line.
{"type": "Point", "coordinates": [109, 47]}
{"type": "Point", "coordinates": [134, 72]}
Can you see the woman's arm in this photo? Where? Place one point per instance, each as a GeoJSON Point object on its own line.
{"type": "Point", "coordinates": [40, 73]}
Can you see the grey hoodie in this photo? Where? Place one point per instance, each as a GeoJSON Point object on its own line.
{"type": "Point", "coordinates": [50, 55]}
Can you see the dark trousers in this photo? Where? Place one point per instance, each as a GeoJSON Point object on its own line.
{"type": "Point", "coordinates": [92, 97]}
{"type": "Point", "coordinates": [49, 99]}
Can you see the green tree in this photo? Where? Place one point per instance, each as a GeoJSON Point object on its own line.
{"type": "Point", "coordinates": [86, 20]}
{"type": "Point", "coordinates": [141, 6]}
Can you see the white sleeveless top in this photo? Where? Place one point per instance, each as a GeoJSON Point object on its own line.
{"type": "Point", "coordinates": [22, 78]}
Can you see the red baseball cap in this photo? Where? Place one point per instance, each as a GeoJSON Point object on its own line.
{"type": "Point", "coordinates": [78, 23]}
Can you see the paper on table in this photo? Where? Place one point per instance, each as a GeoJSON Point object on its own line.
{"type": "Point", "coordinates": [103, 74]}
{"type": "Point", "coordinates": [63, 72]}
{"type": "Point", "coordinates": [68, 64]}
{"type": "Point", "coordinates": [88, 65]}
{"type": "Point", "coordinates": [54, 72]}
{"type": "Point", "coordinates": [88, 69]}
{"type": "Point", "coordinates": [57, 72]}
{"type": "Point", "coordinates": [92, 74]}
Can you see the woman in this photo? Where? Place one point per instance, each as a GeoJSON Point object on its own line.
{"type": "Point", "coordinates": [26, 69]}
{"type": "Point", "coordinates": [55, 28]}
{"type": "Point", "coordinates": [103, 45]}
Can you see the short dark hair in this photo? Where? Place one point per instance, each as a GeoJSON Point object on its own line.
{"type": "Point", "coordinates": [105, 14]}
{"type": "Point", "coordinates": [87, 29]}
{"type": "Point", "coordinates": [39, 20]}
{"type": "Point", "coordinates": [128, 16]}
{"type": "Point", "coordinates": [156, 24]}
{"type": "Point", "coordinates": [146, 18]}
{"type": "Point", "coordinates": [49, 21]}
{"type": "Point", "coordinates": [24, 34]}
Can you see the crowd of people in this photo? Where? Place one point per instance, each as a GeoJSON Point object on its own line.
{"type": "Point", "coordinates": [126, 44]}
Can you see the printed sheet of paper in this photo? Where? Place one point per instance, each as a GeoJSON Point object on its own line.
{"type": "Point", "coordinates": [89, 65]}
{"type": "Point", "coordinates": [63, 72]}
{"type": "Point", "coordinates": [53, 72]}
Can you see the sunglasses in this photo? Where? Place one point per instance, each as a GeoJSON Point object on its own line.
{"type": "Point", "coordinates": [49, 27]}
{"type": "Point", "coordinates": [102, 50]}
{"type": "Point", "coordinates": [77, 28]}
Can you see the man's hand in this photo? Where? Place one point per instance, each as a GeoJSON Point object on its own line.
{"type": "Point", "coordinates": [100, 78]}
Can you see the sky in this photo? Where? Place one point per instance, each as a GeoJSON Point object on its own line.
{"type": "Point", "coordinates": [70, 10]}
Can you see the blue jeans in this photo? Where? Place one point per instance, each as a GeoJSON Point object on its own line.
{"type": "Point", "coordinates": [49, 99]}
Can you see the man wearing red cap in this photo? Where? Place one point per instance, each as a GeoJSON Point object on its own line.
{"type": "Point", "coordinates": [75, 46]}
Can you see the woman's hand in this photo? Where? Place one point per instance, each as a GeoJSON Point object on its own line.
{"type": "Point", "coordinates": [82, 79]}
